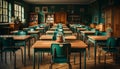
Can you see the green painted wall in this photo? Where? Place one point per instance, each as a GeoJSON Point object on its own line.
{"type": "Point", "coordinates": [62, 7]}
{"type": "Point", "coordinates": [96, 10]}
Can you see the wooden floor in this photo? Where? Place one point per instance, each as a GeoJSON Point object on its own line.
{"type": "Point", "coordinates": [46, 63]}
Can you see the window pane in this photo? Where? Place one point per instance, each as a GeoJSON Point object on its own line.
{"type": "Point", "coordinates": [22, 10]}
{"type": "Point", "coordinates": [9, 6]}
{"type": "Point", "coordinates": [6, 17]}
{"type": "Point", "coordinates": [0, 10]}
{"type": "Point", "coordinates": [4, 11]}
{"type": "Point", "coordinates": [0, 18]}
{"type": "Point", "coordinates": [6, 5]}
{"type": "Point", "coordinates": [0, 3]}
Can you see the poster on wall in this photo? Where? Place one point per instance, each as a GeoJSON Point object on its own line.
{"type": "Point", "coordinates": [44, 9]}
{"type": "Point", "coordinates": [37, 9]}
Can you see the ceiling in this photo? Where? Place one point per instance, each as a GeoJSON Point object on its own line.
{"type": "Point", "coordinates": [59, 1]}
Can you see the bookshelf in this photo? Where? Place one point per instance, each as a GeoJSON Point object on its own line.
{"type": "Point", "coordinates": [49, 18]}
{"type": "Point", "coordinates": [73, 18]}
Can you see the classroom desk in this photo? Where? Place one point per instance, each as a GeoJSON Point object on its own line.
{"type": "Point", "coordinates": [19, 39]}
{"type": "Point", "coordinates": [49, 37]}
{"type": "Point", "coordinates": [78, 31]}
{"type": "Point", "coordinates": [81, 29]}
{"type": "Point", "coordinates": [65, 29]}
{"type": "Point", "coordinates": [41, 30]}
{"type": "Point", "coordinates": [44, 46]}
{"type": "Point", "coordinates": [86, 33]}
{"type": "Point", "coordinates": [95, 40]}
{"type": "Point", "coordinates": [34, 34]}
{"type": "Point", "coordinates": [65, 32]}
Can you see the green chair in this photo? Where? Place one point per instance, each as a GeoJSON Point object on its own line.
{"type": "Point", "coordinates": [8, 45]}
{"type": "Point", "coordinates": [110, 48]}
{"type": "Point", "coordinates": [60, 53]}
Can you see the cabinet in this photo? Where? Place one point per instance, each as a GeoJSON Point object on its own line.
{"type": "Point", "coordinates": [33, 19]}
{"type": "Point", "coordinates": [49, 18]}
{"type": "Point", "coordinates": [73, 18]}
{"type": "Point", "coordinates": [112, 16]}
{"type": "Point", "coordinates": [60, 17]}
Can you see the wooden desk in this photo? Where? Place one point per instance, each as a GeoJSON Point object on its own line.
{"type": "Point", "coordinates": [86, 33]}
{"type": "Point", "coordinates": [65, 29]}
{"type": "Point", "coordinates": [65, 32]}
{"type": "Point", "coordinates": [49, 37]}
{"type": "Point", "coordinates": [44, 46]}
{"type": "Point", "coordinates": [33, 32]}
{"type": "Point", "coordinates": [81, 29]}
{"type": "Point", "coordinates": [18, 39]}
{"type": "Point", "coordinates": [95, 40]}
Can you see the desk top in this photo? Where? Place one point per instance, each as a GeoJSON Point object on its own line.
{"type": "Point", "coordinates": [33, 32]}
{"type": "Point", "coordinates": [51, 32]}
{"type": "Point", "coordinates": [88, 32]}
{"type": "Point", "coordinates": [81, 29]}
{"type": "Point", "coordinates": [98, 37]}
{"type": "Point", "coordinates": [47, 44]}
{"type": "Point", "coordinates": [49, 37]}
{"type": "Point", "coordinates": [17, 37]}
{"type": "Point", "coordinates": [40, 28]}
{"type": "Point", "coordinates": [65, 29]}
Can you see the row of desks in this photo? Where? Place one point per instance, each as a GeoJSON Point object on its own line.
{"type": "Point", "coordinates": [44, 44]}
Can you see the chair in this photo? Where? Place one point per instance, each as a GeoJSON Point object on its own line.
{"type": "Point", "coordinates": [110, 48]}
{"type": "Point", "coordinates": [8, 45]}
{"type": "Point", "coordinates": [60, 53]}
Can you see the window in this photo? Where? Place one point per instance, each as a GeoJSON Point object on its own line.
{"type": "Point", "coordinates": [4, 11]}
{"type": "Point", "coordinates": [19, 12]}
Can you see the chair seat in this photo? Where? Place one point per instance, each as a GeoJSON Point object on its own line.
{"type": "Point", "coordinates": [113, 50]}
{"type": "Point", "coordinates": [60, 60]}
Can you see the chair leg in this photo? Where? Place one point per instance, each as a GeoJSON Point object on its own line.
{"type": "Point", "coordinates": [14, 60]}
{"type": "Point", "coordinates": [1, 56]}
{"type": "Point", "coordinates": [51, 65]}
{"type": "Point", "coordinates": [5, 57]}
{"type": "Point", "coordinates": [105, 61]}
{"type": "Point", "coordinates": [88, 51]}
{"type": "Point", "coordinates": [10, 56]}
{"type": "Point", "coordinates": [99, 56]}
{"type": "Point", "coordinates": [21, 54]}
{"type": "Point", "coordinates": [70, 66]}
{"type": "Point", "coordinates": [74, 59]}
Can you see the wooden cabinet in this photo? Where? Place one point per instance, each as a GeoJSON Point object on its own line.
{"type": "Point", "coordinates": [60, 17]}
{"type": "Point", "coordinates": [116, 21]}
{"type": "Point", "coordinates": [33, 19]}
{"type": "Point", "coordinates": [112, 16]}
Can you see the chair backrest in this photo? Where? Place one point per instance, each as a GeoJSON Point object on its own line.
{"type": "Point", "coordinates": [7, 41]}
{"type": "Point", "coordinates": [111, 42]}
{"type": "Point", "coordinates": [97, 32]}
{"type": "Point", "coordinates": [60, 50]}
{"type": "Point", "coordinates": [54, 35]}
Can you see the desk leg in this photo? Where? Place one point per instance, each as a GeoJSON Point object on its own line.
{"type": "Point", "coordinates": [34, 59]}
{"type": "Point", "coordinates": [95, 53]}
{"type": "Point", "coordinates": [29, 49]}
{"type": "Point", "coordinates": [85, 59]}
{"type": "Point", "coordinates": [80, 59]}
{"type": "Point", "coordinates": [25, 54]}
{"type": "Point", "coordinates": [39, 60]}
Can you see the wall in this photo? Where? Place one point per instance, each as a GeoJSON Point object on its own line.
{"type": "Point", "coordinates": [96, 10]}
{"type": "Point", "coordinates": [70, 9]}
